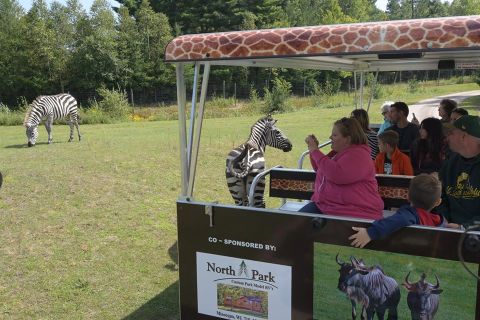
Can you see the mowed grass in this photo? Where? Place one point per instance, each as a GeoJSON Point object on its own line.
{"type": "Point", "coordinates": [88, 229]}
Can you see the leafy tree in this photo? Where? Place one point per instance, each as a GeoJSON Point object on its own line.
{"type": "Point", "coordinates": [155, 32]}
{"type": "Point", "coordinates": [465, 7]}
{"type": "Point", "coordinates": [94, 61]}
{"type": "Point", "coordinates": [394, 10]}
{"type": "Point", "coordinates": [131, 68]}
{"type": "Point", "coordinates": [430, 9]}
{"type": "Point", "coordinates": [11, 27]}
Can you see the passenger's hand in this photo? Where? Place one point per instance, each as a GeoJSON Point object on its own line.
{"type": "Point", "coordinates": [312, 142]}
{"type": "Point", "coordinates": [453, 225]}
{"type": "Point", "coordinates": [361, 238]}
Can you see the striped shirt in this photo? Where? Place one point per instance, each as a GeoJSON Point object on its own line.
{"type": "Point", "coordinates": [372, 143]}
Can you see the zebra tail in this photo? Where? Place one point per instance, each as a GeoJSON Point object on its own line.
{"type": "Point", "coordinates": [237, 159]}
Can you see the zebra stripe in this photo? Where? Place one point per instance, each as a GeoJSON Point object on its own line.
{"type": "Point", "coordinates": [51, 108]}
{"type": "Point", "coordinates": [247, 160]}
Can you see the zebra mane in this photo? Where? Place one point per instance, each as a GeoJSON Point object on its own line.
{"type": "Point", "coordinates": [27, 115]}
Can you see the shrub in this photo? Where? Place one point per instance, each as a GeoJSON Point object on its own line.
{"type": "Point", "coordinates": [276, 100]}
{"type": "Point", "coordinates": [94, 115]}
{"type": "Point", "coordinates": [331, 86]}
{"type": "Point", "coordinates": [4, 108]}
{"type": "Point", "coordinates": [476, 77]}
{"type": "Point", "coordinates": [113, 103]}
{"type": "Point", "coordinates": [413, 85]}
{"type": "Point", "coordinates": [255, 101]}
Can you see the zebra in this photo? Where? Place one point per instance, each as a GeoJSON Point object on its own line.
{"type": "Point", "coordinates": [52, 108]}
{"type": "Point", "coordinates": [247, 160]}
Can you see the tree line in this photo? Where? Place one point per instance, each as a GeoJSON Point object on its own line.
{"type": "Point", "coordinates": [65, 48]}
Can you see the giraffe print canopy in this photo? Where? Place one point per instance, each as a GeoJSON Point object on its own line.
{"type": "Point", "coordinates": [347, 41]}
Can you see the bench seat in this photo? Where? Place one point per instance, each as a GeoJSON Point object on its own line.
{"type": "Point", "coordinates": [298, 184]}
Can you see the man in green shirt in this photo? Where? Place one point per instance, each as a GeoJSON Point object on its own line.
{"type": "Point", "coordinates": [460, 174]}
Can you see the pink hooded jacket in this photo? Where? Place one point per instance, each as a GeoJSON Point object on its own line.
{"type": "Point", "coordinates": [345, 184]}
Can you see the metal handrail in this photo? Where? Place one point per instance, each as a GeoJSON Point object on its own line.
{"type": "Point", "coordinates": [251, 192]}
{"type": "Point", "coordinates": [304, 154]}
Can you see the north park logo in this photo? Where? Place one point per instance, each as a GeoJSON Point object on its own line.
{"type": "Point", "coordinates": [242, 270]}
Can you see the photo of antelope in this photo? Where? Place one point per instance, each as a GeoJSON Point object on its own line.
{"type": "Point", "coordinates": [351, 283]}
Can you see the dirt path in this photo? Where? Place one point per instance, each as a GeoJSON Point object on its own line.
{"type": "Point", "coordinates": [429, 108]}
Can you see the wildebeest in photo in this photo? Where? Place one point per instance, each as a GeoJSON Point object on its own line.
{"type": "Point", "coordinates": [423, 298]}
{"type": "Point", "coordinates": [370, 288]}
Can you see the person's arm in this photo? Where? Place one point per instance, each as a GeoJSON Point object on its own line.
{"type": "Point", "coordinates": [345, 170]}
{"type": "Point", "coordinates": [383, 227]}
{"type": "Point", "coordinates": [379, 165]}
{"type": "Point", "coordinates": [444, 207]}
{"type": "Point", "coordinates": [407, 167]}
{"type": "Point", "coordinates": [312, 144]}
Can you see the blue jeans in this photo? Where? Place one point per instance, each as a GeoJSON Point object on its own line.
{"type": "Point", "coordinates": [311, 207]}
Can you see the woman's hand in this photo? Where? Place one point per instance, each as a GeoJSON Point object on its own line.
{"type": "Point", "coordinates": [312, 142]}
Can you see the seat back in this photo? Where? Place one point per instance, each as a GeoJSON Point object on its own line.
{"type": "Point", "coordinates": [299, 184]}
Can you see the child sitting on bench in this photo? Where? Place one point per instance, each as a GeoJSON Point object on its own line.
{"type": "Point", "coordinates": [424, 194]}
{"type": "Point", "coordinates": [391, 160]}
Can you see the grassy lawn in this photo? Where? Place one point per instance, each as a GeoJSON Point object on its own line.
{"type": "Point", "coordinates": [88, 230]}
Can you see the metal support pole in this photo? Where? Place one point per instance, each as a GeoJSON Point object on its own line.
{"type": "Point", "coordinates": [198, 130]}
{"type": "Point", "coordinates": [361, 88]}
{"type": "Point", "coordinates": [192, 111]}
{"type": "Point", "coordinates": [355, 89]}
{"type": "Point", "coordinates": [182, 126]}
{"type": "Point", "coordinates": [372, 91]}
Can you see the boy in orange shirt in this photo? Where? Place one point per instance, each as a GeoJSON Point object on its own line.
{"type": "Point", "coordinates": [391, 160]}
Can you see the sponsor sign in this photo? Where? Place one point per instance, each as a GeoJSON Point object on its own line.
{"type": "Point", "coordinates": [234, 288]}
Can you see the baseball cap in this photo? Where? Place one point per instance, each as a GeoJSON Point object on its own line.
{"type": "Point", "coordinates": [469, 124]}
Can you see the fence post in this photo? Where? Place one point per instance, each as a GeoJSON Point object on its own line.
{"type": "Point", "coordinates": [235, 93]}
{"type": "Point", "coordinates": [224, 89]}
{"type": "Point", "coordinates": [131, 96]}
{"type": "Point", "coordinates": [304, 84]}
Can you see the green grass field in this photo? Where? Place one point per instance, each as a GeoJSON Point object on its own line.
{"type": "Point", "coordinates": [88, 230]}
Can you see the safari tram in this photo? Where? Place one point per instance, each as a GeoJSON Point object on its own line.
{"type": "Point", "coordinates": [245, 262]}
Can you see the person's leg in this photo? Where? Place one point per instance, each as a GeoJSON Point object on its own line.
{"type": "Point", "coordinates": [310, 207]}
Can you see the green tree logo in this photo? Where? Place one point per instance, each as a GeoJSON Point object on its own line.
{"type": "Point", "coordinates": [243, 269]}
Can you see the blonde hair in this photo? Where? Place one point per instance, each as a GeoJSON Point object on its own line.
{"type": "Point", "coordinates": [350, 127]}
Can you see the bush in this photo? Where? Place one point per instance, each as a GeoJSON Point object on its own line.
{"type": "Point", "coordinates": [413, 85]}
{"type": "Point", "coordinates": [476, 77]}
{"type": "Point", "coordinates": [113, 103]}
{"type": "Point", "coordinates": [94, 115]}
{"type": "Point", "coordinates": [255, 101]}
{"type": "Point", "coordinates": [276, 100]}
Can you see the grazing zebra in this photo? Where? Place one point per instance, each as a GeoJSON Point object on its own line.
{"type": "Point", "coordinates": [52, 108]}
{"type": "Point", "coordinates": [247, 160]}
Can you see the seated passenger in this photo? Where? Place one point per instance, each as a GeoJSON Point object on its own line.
{"type": "Point", "coordinates": [429, 150]}
{"type": "Point", "coordinates": [407, 131]}
{"type": "Point", "coordinates": [345, 183]}
{"type": "Point", "coordinates": [445, 109]}
{"type": "Point", "coordinates": [460, 173]}
{"type": "Point", "coordinates": [362, 117]}
{"type": "Point", "coordinates": [391, 160]}
{"type": "Point", "coordinates": [386, 116]}
{"type": "Point", "coordinates": [424, 194]}
{"type": "Point", "coordinates": [457, 113]}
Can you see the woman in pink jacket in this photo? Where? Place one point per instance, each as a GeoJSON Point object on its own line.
{"type": "Point", "coordinates": [345, 184]}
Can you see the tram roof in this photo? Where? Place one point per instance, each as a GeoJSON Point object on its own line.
{"type": "Point", "coordinates": [420, 44]}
